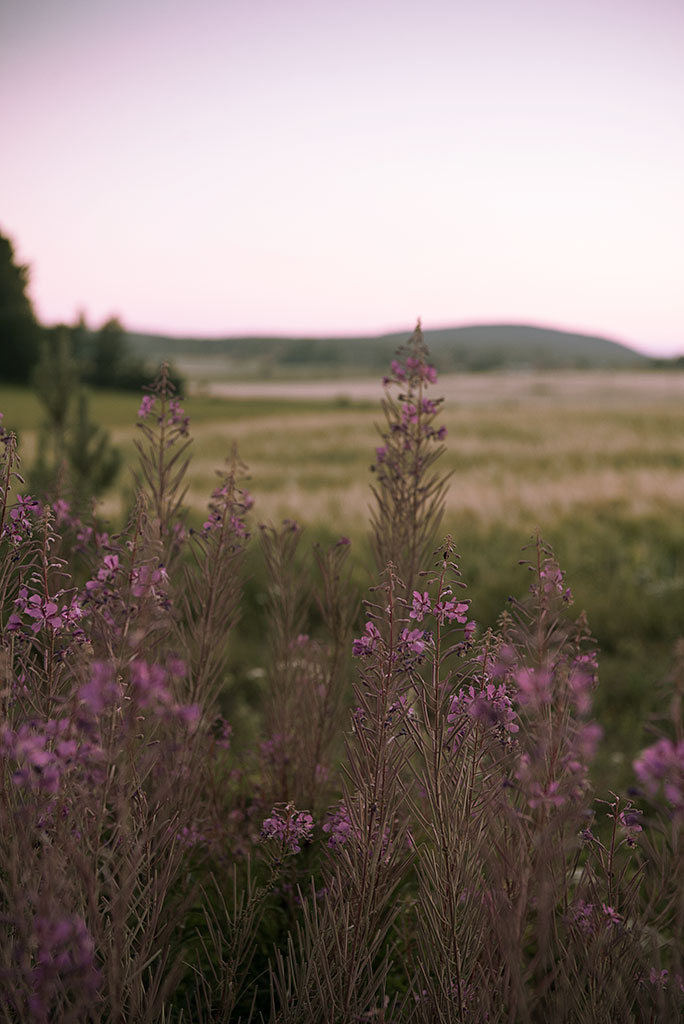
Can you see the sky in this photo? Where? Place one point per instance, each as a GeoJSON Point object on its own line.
{"type": "Point", "coordinates": [345, 166]}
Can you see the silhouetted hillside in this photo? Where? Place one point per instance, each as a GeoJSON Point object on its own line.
{"type": "Point", "coordinates": [483, 347]}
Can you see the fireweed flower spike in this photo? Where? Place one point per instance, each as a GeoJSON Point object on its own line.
{"type": "Point", "coordinates": [409, 492]}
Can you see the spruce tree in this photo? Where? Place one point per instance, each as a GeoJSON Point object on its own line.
{"type": "Point", "coordinates": [20, 332]}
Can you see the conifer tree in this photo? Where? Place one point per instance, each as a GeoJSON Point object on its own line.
{"type": "Point", "coordinates": [20, 332]}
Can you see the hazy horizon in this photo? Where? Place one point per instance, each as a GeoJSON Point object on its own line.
{"type": "Point", "coordinates": [382, 332]}
{"type": "Point", "coordinates": [313, 168]}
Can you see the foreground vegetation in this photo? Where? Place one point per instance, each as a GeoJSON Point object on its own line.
{"type": "Point", "coordinates": [409, 834]}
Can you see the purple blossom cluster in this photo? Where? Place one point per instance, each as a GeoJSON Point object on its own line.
{"type": "Point", "coordinates": [446, 609]}
{"type": "Point", "coordinates": [338, 827]}
{"type": "Point", "coordinates": [150, 581]}
{"type": "Point", "coordinates": [491, 705]}
{"type": "Point", "coordinates": [368, 643]}
{"type": "Point", "coordinates": [552, 582]}
{"type": "Point", "coordinates": [582, 680]}
{"type": "Point", "coordinates": [83, 535]}
{"type": "Point", "coordinates": [411, 422]}
{"type": "Point", "coordinates": [562, 782]}
{"type": "Point", "coordinates": [535, 685]}
{"type": "Point", "coordinates": [662, 980]}
{"type": "Point", "coordinates": [411, 369]}
{"type": "Point", "coordinates": [22, 519]}
{"type": "Point", "coordinates": [43, 613]}
{"type": "Point", "coordinates": [630, 822]}
{"type": "Point", "coordinates": [288, 827]}
{"type": "Point", "coordinates": [227, 509]}
{"type": "Point", "coordinates": [45, 751]}
{"type": "Point", "coordinates": [150, 689]}
{"type": "Point", "coordinates": [662, 765]}
{"type": "Point", "coordinates": [101, 690]}
{"type": "Point", "coordinates": [175, 414]}
{"type": "Point", "coordinates": [61, 959]}
{"type": "Point", "coordinates": [146, 406]}
{"type": "Point", "coordinates": [589, 918]}
{"type": "Point", "coordinates": [413, 646]}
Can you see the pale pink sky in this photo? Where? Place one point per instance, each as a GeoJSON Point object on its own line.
{"type": "Point", "coordinates": [333, 166]}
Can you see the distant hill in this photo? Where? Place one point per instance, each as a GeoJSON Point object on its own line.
{"type": "Point", "coordinates": [482, 347]}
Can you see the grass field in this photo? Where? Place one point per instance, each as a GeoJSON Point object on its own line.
{"type": "Point", "coordinates": [524, 448]}
{"type": "Point", "coordinates": [595, 461]}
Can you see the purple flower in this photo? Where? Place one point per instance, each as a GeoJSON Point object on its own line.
{"type": "Point", "coordinates": [663, 764]}
{"type": "Point", "coordinates": [288, 827]}
{"type": "Point", "coordinates": [587, 740]}
{"type": "Point", "coordinates": [551, 581]}
{"type": "Point", "coordinates": [177, 417]}
{"type": "Point", "coordinates": [190, 836]}
{"type": "Point", "coordinates": [338, 827]}
{"type": "Point", "coordinates": [64, 959]}
{"type": "Point", "coordinates": [451, 610]}
{"type": "Point", "coordinates": [225, 733]}
{"type": "Point", "coordinates": [177, 667]}
{"type": "Point", "coordinates": [534, 686]}
{"type": "Point", "coordinates": [62, 510]}
{"type": "Point", "coordinates": [629, 820]}
{"type": "Point", "coordinates": [611, 915]}
{"type": "Point", "coordinates": [44, 752]}
{"type": "Point", "coordinates": [146, 406]}
{"type": "Point", "coordinates": [581, 914]}
{"type": "Point", "coordinates": [149, 683]}
{"type": "Point", "coordinates": [414, 640]}
{"type": "Point", "coordinates": [43, 612]}
{"type": "Point", "coordinates": [421, 606]}
{"type": "Point", "coordinates": [147, 581]}
{"type": "Point", "coordinates": [189, 715]}
{"type": "Point", "coordinates": [491, 705]}
{"type": "Point", "coordinates": [101, 690]}
{"type": "Point", "coordinates": [366, 645]}
{"type": "Point", "coordinates": [19, 525]}
{"type": "Point", "coordinates": [409, 414]}
{"type": "Point", "coordinates": [213, 522]}
{"type": "Point", "coordinates": [659, 979]}
{"type": "Point", "coordinates": [581, 684]}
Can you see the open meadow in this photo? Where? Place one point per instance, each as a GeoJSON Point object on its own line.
{"type": "Point", "coordinates": [524, 448]}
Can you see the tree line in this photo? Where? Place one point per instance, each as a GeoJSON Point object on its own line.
{"type": "Point", "coordinates": [101, 358]}
{"type": "Point", "coordinates": [75, 460]}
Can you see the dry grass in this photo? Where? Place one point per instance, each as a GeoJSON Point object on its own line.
{"type": "Point", "coordinates": [524, 447]}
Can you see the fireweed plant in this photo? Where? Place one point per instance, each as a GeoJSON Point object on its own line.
{"type": "Point", "coordinates": [413, 837]}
